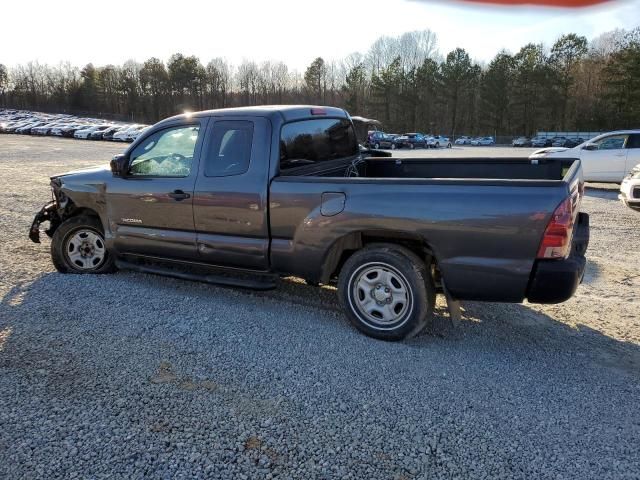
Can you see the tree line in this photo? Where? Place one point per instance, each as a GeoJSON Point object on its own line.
{"type": "Point", "coordinates": [404, 81]}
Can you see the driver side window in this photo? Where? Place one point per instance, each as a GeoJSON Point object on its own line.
{"type": "Point", "coordinates": [614, 142]}
{"type": "Point", "coordinates": [166, 153]}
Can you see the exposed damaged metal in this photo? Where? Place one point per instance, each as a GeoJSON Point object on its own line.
{"type": "Point", "coordinates": [52, 212]}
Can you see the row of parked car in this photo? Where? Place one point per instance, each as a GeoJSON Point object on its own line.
{"type": "Point", "coordinates": [559, 141]}
{"type": "Point", "coordinates": [381, 140]}
{"type": "Point", "coordinates": [475, 141]}
{"type": "Point", "coordinates": [70, 126]}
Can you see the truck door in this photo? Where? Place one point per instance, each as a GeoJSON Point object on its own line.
{"type": "Point", "coordinates": [230, 198]}
{"type": "Point", "coordinates": [150, 208]}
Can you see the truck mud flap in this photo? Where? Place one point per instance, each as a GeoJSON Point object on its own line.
{"type": "Point", "coordinates": [581, 235]}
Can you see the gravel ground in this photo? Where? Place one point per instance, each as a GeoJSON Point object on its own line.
{"type": "Point", "coordinates": [131, 375]}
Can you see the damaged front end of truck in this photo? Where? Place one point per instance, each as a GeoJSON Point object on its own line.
{"type": "Point", "coordinates": [53, 212]}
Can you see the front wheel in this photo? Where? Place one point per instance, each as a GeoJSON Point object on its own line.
{"type": "Point", "coordinates": [78, 246]}
{"type": "Point", "coordinates": [387, 292]}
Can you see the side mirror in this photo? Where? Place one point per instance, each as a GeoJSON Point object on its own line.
{"type": "Point", "coordinates": [590, 146]}
{"type": "Point", "coordinates": [119, 165]}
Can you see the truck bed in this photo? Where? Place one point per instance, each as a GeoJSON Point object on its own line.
{"type": "Point", "coordinates": [512, 169]}
{"type": "Point", "coordinates": [477, 168]}
{"type": "Point", "coordinates": [482, 219]}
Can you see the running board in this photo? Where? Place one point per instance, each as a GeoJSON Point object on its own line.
{"type": "Point", "coordinates": [216, 279]}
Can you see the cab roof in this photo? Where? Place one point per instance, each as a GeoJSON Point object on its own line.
{"type": "Point", "coordinates": [285, 113]}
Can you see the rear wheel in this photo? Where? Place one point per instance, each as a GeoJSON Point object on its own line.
{"type": "Point", "coordinates": [386, 292]}
{"type": "Point", "coordinates": [78, 246]}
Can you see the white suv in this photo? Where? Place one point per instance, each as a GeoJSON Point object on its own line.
{"type": "Point", "coordinates": [605, 158]}
{"type": "Point", "coordinates": [630, 189]}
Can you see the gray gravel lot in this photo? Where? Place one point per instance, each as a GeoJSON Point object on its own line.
{"type": "Point", "coordinates": [131, 375]}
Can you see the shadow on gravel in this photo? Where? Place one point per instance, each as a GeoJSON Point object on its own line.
{"type": "Point", "coordinates": [487, 328]}
{"type": "Point", "coordinates": [23, 316]}
{"type": "Point", "coordinates": [592, 272]}
{"type": "Point", "coordinates": [522, 327]}
{"type": "Point", "coordinates": [605, 192]}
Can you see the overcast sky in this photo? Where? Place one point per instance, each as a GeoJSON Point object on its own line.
{"type": "Point", "coordinates": [294, 31]}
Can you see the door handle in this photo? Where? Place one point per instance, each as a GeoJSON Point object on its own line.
{"type": "Point", "coordinates": [179, 195]}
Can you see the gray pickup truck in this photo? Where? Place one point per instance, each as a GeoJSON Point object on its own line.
{"type": "Point", "coordinates": [244, 196]}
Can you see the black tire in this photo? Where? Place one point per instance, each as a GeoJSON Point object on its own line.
{"type": "Point", "coordinates": [376, 146]}
{"type": "Point", "coordinates": [61, 246]}
{"type": "Point", "coordinates": [402, 267]}
{"type": "Point", "coordinates": [393, 146]}
{"type": "Point", "coordinates": [411, 146]}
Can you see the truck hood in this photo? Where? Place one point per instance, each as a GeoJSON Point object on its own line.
{"type": "Point", "coordinates": [97, 171]}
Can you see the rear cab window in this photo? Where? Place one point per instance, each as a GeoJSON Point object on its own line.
{"type": "Point", "coordinates": [316, 141]}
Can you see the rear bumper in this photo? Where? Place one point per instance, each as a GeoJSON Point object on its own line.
{"type": "Point", "coordinates": [554, 281]}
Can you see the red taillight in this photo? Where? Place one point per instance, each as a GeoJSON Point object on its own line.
{"type": "Point", "coordinates": [556, 242]}
{"type": "Point", "coordinates": [318, 111]}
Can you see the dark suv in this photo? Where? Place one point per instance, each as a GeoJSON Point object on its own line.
{"type": "Point", "coordinates": [411, 140]}
{"type": "Point", "coordinates": [380, 139]}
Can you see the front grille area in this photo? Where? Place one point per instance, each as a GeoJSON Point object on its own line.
{"type": "Point", "coordinates": [635, 193]}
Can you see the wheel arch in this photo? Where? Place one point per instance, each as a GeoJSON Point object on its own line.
{"type": "Point", "coordinates": [347, 245]}
{"type": "Point", "coordinates": [71, 210]}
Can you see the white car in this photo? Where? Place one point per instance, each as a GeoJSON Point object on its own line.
{"type": "Point", "coordinates": [605, 158]}
{"type": "Point", "coordinates": [124, 134]}
{"type": "Point", "coordinates": [137, 133]}
{"type": "Point", "coordinates": [464, 140]}
{"type": "Point", "coordinates": [85, 132]}
{"type": "Point", "coordinates": [437, 141]}
{"type": "Point", "coordinates": [133, 133]}
{"type": "Point", "coordinates": [630, 189]}
{"type": "Point", "coordinates": [521, 142]}
{"type": "Point", "coordinates": [483, 141]}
